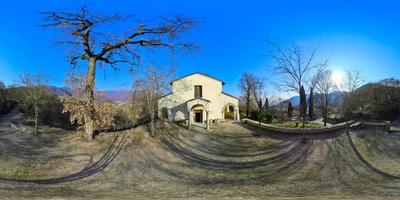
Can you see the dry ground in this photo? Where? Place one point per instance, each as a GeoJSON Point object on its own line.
{"type": "Point", "coordinates": [227, 161]}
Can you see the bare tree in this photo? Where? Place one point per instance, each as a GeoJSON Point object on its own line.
{"type": "Point", "coordinates": [92, 44]}
{"type": "Point", "coordinates": [34, 92]}
{"type": "Point", "coordinates": [153, 83]}
{"type": "Point", "coordinates": [250, 85]}
{"type": "Point", "coordinates": [325, 86]}
{"type": "Point", "coordinates": [298, 66]}
{"type": "Point", "coordinates": [351, 81]}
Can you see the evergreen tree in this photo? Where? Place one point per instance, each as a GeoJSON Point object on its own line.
{"type": "Point", "coordinates": [311, 105]}
{"type": "Point", "coordinates": [259, 113]}
{"type": "Point", "coordinates": [303, 105]}
{"type": "Point", "coordinates": [266, 106]}
{"type": "Point", "coordinates": [290, 110]}
{"type": "Point", "coordinates": [260, 108]}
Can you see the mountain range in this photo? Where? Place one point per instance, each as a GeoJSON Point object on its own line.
{"type": "Point", "coordinates": [113, 95]}
{"type": "Point", "coordinates": [295, 100]}
{"type": "Point", "coordinates": [122, 95]}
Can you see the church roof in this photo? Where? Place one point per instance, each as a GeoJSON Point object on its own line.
{"type": "Point", "coordinates": [200, 74]}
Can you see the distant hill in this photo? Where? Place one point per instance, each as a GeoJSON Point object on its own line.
{"type": "Point", "coordinates": [295, 100]}
{"type": "Point", "coordinates": [113, 95]}
{"type": "Point", "coordinates": [117, 95]}
{"type": "Point", "coordinates": [60, 91]}
{"type": "Point", "coordinates": [368, 86]}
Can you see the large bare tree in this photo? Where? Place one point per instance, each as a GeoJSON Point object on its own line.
{"type": "Point", "coordinates": [325, 86]}
{"type": "Point", "coordinates": [298, 66]}
{"type": "Point", "coordinates": [34, 91]}
{"type": "Point", "coordinates": [92, 43]}
{"type": "Point", "coordinates": [250, 86]}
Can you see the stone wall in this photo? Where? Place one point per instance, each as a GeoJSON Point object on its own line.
{"type": "Point", "coordinates": [308, 131]}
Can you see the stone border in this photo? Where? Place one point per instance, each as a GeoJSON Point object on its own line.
{"type": "Point", "coordinates": [308, 131]}
{"type": "Point", "coordinates": [385, 124]}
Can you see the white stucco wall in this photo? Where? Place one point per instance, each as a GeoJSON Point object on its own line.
{"type": "Point", "coordinates": [183, 90]}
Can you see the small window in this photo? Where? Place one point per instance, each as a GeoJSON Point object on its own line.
{"type": "Point", "coordinates": [198, 92]}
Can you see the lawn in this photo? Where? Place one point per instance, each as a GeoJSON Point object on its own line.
{"type": "Point", "coordinates": [226, 162]}
{"type": "Point", "coordinates": [292, 124]}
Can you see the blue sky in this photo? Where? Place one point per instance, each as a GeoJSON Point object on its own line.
{"type": "Point", "coordinates": [232, 34]}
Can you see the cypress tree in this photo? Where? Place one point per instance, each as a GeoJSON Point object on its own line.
{"type": "Point", "coordinates": [303, 105]}
{"type": "Point", "coordinates": [290, 110]}
{"type": "Point", "coordinates": [260, 110]}
{"type": "Point", "coordinates": [311, 105]}
{"type": "Point", "coordinates": [266, 106]}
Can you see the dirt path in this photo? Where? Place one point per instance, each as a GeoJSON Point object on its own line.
{"type": "Point", "coordinates": [13, 115]}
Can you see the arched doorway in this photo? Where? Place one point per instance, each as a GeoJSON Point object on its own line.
{"type": "Point", "coordinates": [198, 113]}
{"type": "Point", "coordinates": [229, 112]}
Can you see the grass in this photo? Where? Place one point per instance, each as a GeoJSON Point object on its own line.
{"type": "Point", "coordinates": [292, 124]}
{"type": "Point", "coordinates": [333, 116]}
{"type": "Point", "coordinates": [226, 162]}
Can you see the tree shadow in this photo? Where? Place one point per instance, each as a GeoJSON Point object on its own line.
{"type": "Point", "coordinates": [367, 163]}
{"type": "Point", "coordinates": [262, 170]}
{"type": "Point", "coordinates": [267, 173]}
{"type": "Point", "coordinates": [209, 163]}
{"type": "Point", "coordinates": [109, 155]}
{"type": "Point", "coordinates": [234, 147]}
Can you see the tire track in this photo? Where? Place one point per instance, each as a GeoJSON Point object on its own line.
{"type": "Point", "coordinates": [109, 155]}
{"type": "Point", "coordinates": [368, 164]}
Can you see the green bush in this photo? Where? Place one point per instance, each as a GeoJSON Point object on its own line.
{"type": "Point", "coordinates": [253, 115]}
{"type": "Point", "coordinates": [265, 118]}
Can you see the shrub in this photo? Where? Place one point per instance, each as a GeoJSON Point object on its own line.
{"type": "Point", "coordinates": [267, 118]}
{"type": "Point", "coordinates": [75, 107]}
{"type": "Point", "coordinates": [124, 117]}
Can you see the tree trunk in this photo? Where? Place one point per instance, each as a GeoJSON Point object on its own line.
{"type": "Point", "coordinates": [36, 119]}
{"type": "Point", "coordinates": [89, 95]}
{"type": "Point", "coordinates": [152, 122]}
{"type": "Point", "coordinates": [247, 106]}
{"type": "Point", "coordinates": [152, 128]}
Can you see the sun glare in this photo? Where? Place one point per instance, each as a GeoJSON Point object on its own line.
{"type": "Point", "coordinates": [337, 77]}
